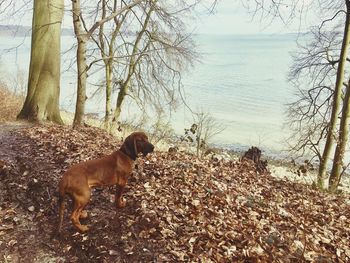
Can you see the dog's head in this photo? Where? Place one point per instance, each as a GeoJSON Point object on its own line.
{"type": "Point", "coordinates": [136, 143]}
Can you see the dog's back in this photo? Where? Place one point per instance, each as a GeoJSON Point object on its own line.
{"type": "Point", "coordinates": [110, 170]}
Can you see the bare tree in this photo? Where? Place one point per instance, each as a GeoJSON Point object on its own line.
{"type": "Point", "coordinates": [160, 53]}
{"type": "Point", "coordinates": [314, 116]}
{"type": "Point", "coordinates": [342, 138]}
{"type": "Point", "coordinates": [134, 58]}
{"type": "Point", "coordinates": [314, 74]}
{"type": "Point", "coordinates": [107, 44]}
{"type": "Point", "coordinates": [321, 105]}
{"type": "Point", "coordinates": [83, 35]}
{"type": "Point", "coordinates": [148, 49]}
{"type": "Point", "coordinates": [339, 154]}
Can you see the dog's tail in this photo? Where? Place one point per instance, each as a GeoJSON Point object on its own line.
{"type": "Point", "coordinates": [61, 204]}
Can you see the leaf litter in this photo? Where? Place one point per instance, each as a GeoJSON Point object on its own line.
{"type": "Point", "coordinates": [179, 208]}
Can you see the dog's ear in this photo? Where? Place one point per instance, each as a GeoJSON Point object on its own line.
{"type": "Point", "coordinates": [129, 147]}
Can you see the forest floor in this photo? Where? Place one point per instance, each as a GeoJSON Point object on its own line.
{"type": "Point", "coordinates": [179, 208]}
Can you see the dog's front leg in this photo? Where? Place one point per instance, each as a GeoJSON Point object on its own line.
{"type": "Point", "coordinates": [120, 202]}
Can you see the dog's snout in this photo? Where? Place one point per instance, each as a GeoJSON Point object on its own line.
{"type": "Point", "coordinates": [151, 147]}
{"type": "Point", "coordinates": [148, 148]}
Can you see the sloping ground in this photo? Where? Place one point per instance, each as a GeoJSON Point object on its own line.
{"type": "Point", "coordinates": [178, 208]}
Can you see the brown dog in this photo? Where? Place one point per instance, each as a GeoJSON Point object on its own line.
{"type": "Point", "coordinates": [112, 169]}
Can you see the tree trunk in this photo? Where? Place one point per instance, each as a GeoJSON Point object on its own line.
{"type": "Point", "coordinates": [338, 162]}
{"type": "Point", "coordinates": [81, 64]}
{"type": "Point", "coordinates": [322, 174]}
{"type": "Point", "coordinates": [107, 68]}
{"type": "Point", "coordinates": [108, 61]}
{"type": "Point", "coordinates": [124, 87]}
{"type": "Point", "coordinates": [121, 96]}
{"type": "Point", "coordinates": [42, 100]}
{"type": "Point", "coordinates": [109, 75]}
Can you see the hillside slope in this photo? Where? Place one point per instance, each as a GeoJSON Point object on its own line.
{"type": "Point", "coordinates": [179, 208]}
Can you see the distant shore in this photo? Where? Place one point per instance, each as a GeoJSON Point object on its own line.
{"type": "Point", "coordinates": [23, 31]}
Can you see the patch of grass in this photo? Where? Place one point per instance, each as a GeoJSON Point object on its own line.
{"type": "Point", "coordinates": [10, 104]}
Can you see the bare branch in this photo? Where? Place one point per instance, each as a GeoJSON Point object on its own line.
{"type": "Point", "coordinates": [112, 16]}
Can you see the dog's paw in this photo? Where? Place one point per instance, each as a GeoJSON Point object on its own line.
{"type": "Point", "coordinates": [121, 203]}
{"type": "Point", "coordinates": [83, 228]}
{"type": "Point", "coordinates": [83, 214]}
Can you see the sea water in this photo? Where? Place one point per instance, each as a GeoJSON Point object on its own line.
{"type": "Point", "coordinates": [241, 80]}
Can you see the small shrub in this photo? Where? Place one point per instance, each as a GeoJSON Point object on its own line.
{"type": "Point", "coordinates": [204, 128]}
{"type": "Point", "coordinates": [10, 104]}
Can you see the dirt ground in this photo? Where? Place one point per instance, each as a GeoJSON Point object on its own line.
{"type": "Point", "coordinates": [29, 212]}
{"type": "Point", "coordinates": [179, 208]}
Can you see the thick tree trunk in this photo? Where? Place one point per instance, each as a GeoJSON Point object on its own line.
{"type": "Point", "coordinates": [42, 100]}
{"type": "Point", "coordinates": [322, 174]}
{"type": "Point", "coordinates": [81, 64]}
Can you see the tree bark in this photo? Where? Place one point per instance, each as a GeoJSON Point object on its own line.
{"type": "Point", "coordinates": [322, 174]}
{"type": "Point", "coordinates": [124, 87]}
{"type": "Point", "coordinates": [108, 60]}
{"type": "Point", "coordinates": [42, 100]}
{"type": "Point", "coordinates": [108, 109]}
{"type": "Point", "coordinates": [81, 64]}
{"type": "Point", "coordinates": [338, 162]}
{"type": "Point", "coordinates": [120, 99]}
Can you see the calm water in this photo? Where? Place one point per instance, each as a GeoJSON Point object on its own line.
{"type": "Point", "coordinates": [241, 81]}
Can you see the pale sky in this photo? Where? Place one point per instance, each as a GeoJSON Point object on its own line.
{"type": "Point", "coordinates": [231, 17]}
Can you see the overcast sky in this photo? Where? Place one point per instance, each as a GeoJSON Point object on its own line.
{"type": "Point", "coordinates": [231, 17]}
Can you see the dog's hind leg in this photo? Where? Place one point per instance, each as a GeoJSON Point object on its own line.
{"type": "Point", "coordinates": [80, 201]}
{"type": "Point", "coordinates": [60, 213]}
